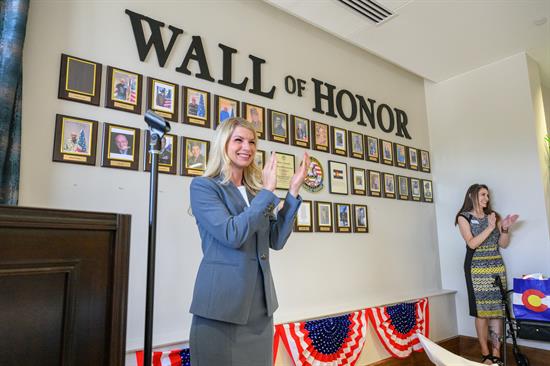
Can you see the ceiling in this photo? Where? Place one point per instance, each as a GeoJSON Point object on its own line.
{"type": "Point", "coordinates": [438, 39]}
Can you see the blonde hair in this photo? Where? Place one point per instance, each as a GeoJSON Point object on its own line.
{"type": "Point", "coordinates": [219, 163]}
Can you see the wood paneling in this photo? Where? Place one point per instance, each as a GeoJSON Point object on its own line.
{"type": "Point", "coordinates": [63, 286]}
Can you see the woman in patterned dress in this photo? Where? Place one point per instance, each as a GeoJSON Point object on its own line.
{"type": "Point", "coordinates": [484, 232]}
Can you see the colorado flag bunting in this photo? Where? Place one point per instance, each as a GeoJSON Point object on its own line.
{"type": "Point", "coordinates": [531, 299]}
{"type": "Point", "coordinates": [397, 325]}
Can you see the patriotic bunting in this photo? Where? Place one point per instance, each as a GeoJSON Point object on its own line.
{"type": "Point", "coordinates": [326, 342]}
{"type": "Point", "coordinates": [397, 326]}
{"type": "Point", "coordinates": [179, 357]}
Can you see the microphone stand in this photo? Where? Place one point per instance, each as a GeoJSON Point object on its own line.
{"type": "Point", "coordinates": [157, 128]}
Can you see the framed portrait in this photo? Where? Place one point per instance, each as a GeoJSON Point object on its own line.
{"type": "Point", "coordinates": [194, 156]}
{"type": "Point", "coordinates": [323, 217]}
{"type": "Point", "coordinates": [338, 177]}
{"type": "Point", "coordinates": [412, 153]}
{"type": "Point", "coordinates": [360, 219]}
{"type": "Point", "coordinates": [163, 98]}
{"type": "Point", "coordinates": [277, 123]}
{"type": "Point", "coordinates": [400, 155]}
{"type": "Point", "coordinates": [300, 135]}
{"type": "Point", "coordinates": [373, 151]}
{"type": "Point", "coordinates": [285, 169]}
{"type": "Point", "coordinates": [256, 115]}
{"type": "Point", "coordinates": [403, 189]}
{"type": "Point", "coordinates": [358, 181]}
{"type": "Point", "coordinates": [120, 147]}
{"type": "Point", "coordinates": [386, 148]}
{"type": "Point", "coordinates": [342, 217]}
{"type": "Point", "coordinates": [427, 191]}
{"type": "Point", "coordinates": [225, 108]}
{"type": "Point", "coordinates": [79, 80]}
{"type": "Point", "coordinates": [425, 165]}
{"type": "Point", "coordinates": [75, 140]}
{"type": "Point", "coordinates": [123, 90]}
{"type": "Point", "coordinates": [304, 217]}
{"type": "Point", "coordinates": [259, 158]}
{"type": "Point", "coordinates": [319, 136]}
{"type": "Point", "coordinates": [168, 156]}
{"type": "Point", "coordinates": [389, 185]}
{"type": "Point", "coordinates": [375, 183]}
{"type": "Point", "coordinates": [196, 107]}
{"type": "Point", "coordinates": [315, 176]}
{"type": "Point", "coordinates": [339, 141]}
{"type": "Point", "coordinates": [416, 194]}
{"type": "Point", "coordinates": [357, 145]}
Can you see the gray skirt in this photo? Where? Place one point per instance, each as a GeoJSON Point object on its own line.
{"type": "Point", "coordinates": [217, 343]}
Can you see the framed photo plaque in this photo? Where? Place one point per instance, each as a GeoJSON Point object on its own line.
{"type": "Point", "coordinates": [375, 186]}
{"type": "Point", "coordinates": [194, 156]}
{"type": "Point", "coordinates": [120, 147]}
{"type": "Point", "coordinates": [339, 141]}
{"type": "Point", "coordinates": [277, 123]}
{"type": "Point", "coordinates": [323, 217]}
{"type": "Point", "coordinates": [123, 90]}
{"type": "Point", "coordinates": [163, 98]}
{"type": "Point", "coordinates": [304, 217]}
{"type": "Point", "coordinates": [338, 177]}
{"type": "Point", "coordinates": [79, 80]}
{"type": "Point", "coordinates": [196, 107]}
{"type": "Point", "coordinates": [413, 158]}
{"type": "Point", "coordinates": [389, 185]}
{"type": "Point", "coordinates": [373, 151]}
{"type": "Point", "coordinates": [358, 181]}
{"type": "Point", "coordinates": [285, 170]}
{"type": "Point", "coordinates": [386, 147]}
{"type": "Point", "coordinates": [416, 194]}
{"type": "Point", "coordinates": [168, 156]}
{"type": "Point", "coordinates": [357, 145]}
{"type": "Point", "coordinates": [75, 140]}
{"type": "Point", "coordinates": [427, 191]}
{"type": "Point", "coordinates": [256, 115]}
{"type": "Point", "coordinates": [300, 135]}
{"type": "Point", "coordinates": [342, 217]}
{"type": "Point", "coordinates": [320, 139]}
{"type": "Point", "coordinates": [225, 108]}
{"type": "Point", "coordinates": [400, 155]}
{"type": "Point", "coordinates": [360, 219]}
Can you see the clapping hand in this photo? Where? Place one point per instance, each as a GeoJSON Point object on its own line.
{"type": "Point", "coordinates": [508, 221]}
{"type": "Point", "coordinates": [269, 174]}
{"type": "Point", "coordinates": [298, 177]}
{"type": "Point", "coordinates": [492, 219]}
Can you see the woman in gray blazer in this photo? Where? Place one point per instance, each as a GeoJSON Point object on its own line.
{"type": "Point", "coordinates": [233, 204]}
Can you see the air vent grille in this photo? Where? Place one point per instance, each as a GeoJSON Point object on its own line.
{"type": "Point", "coordinates": [368, 8]}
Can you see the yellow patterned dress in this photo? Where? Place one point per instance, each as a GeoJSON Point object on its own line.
{"type": "Point", "coordinates": [481, 266]}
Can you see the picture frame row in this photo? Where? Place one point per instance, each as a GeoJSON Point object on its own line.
{"type": "Point", "coordinates": [374, 183]}
{"type": "Point", "coordinates": [76, 141]}
{"type": "Point", "coordinates": [328, 217]}
{"type": "Point", "coordinates": [80, 81]}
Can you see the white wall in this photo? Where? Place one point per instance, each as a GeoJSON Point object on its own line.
{"type": "Point", "coordinates": [485, 127]}
{"type": "Point", "coordinates": [317, 274]}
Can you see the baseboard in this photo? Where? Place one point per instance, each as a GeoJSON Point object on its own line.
{"type": "Point", "coordinates": [467, 347]}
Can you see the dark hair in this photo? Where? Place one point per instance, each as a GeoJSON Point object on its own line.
{"type": "Point", "coordinates": [470, 201]}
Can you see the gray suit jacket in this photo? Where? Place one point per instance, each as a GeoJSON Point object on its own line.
{"type": "Point", "coordinates": [235, 241]}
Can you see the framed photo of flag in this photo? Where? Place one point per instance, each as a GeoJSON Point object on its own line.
{"type": "Point", "coordinates": [123, 90]}
{"type": "Point", "coordinates": [338, 177]}
{"type": "Point", "coordinates": [75, 140]}
{"type": "Point", "coordinates": [196, 107]}
{"type": "Point", "coordinates": [163, 98]}
{"type": "Point", "coordinates": [323, 217]}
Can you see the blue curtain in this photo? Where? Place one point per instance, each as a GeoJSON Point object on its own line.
{"type": "Point", "coordinates": [13, 22]}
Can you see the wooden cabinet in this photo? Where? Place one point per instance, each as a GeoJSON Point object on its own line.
{"type": "Point", "coordinates": [63, 287]}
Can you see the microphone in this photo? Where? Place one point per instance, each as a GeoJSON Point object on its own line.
{"type": "Point", "coordinates": [156, 123]}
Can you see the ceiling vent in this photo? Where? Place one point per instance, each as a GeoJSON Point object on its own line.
{"type": "Point", "coordinates": [368, 8]}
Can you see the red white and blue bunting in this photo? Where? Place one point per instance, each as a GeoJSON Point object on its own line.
{"type": "Point", "coordinates": [397, 326]}
{"type": "Point", "coordinates": [327, 342]}
{"type": "Point", "coordinates": [178, 357]}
